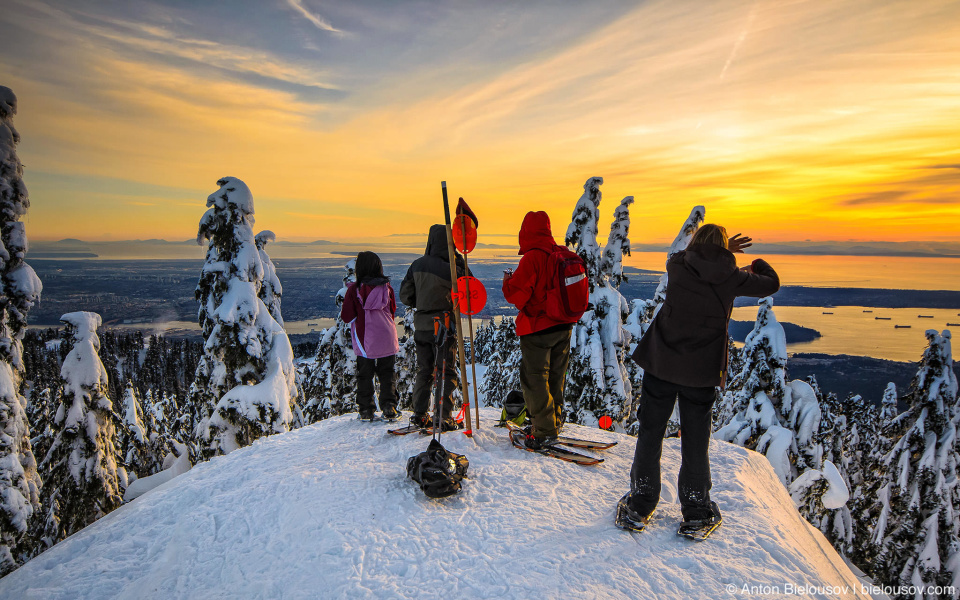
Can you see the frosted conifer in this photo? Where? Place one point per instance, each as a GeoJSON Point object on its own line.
{"type": "Point", "coordinates": [916, 539]}
{"type": "Point", "coordinates": [19, 289]}
{"type": "Point", "coordinates": [271, 290]}
{"type": "Point", "coordinates": [598, 383]}
{"type": "Point", "coordinates": [582, 231]}
{"type": "Point", "coordinates": [133, 439]}
{"type": "Point", "coordinates": [406, 364]}
{"type": "Point", "coordinates": [81, 467]}
{"type": "Point", "coordinates": [618, 244]}
{"type": "Point", "coordinates": [332, 386]}
{"type": "Point", "coordinates": [679, 244]}
{"type": "Point", "coordinates": [245, 381]}
{"type": "Point", "coordinates": [503, 365]}
{"type": "Point", "coordinates": [769, 415]}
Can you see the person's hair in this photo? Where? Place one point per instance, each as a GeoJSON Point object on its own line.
{"type": "Point", "coordinates": [710, 234]}
{"type": "Point", "coordinates": [368, 266]}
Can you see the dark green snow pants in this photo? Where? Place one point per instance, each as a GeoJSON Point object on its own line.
{"type": "Point", "coordinates": [543, 372]}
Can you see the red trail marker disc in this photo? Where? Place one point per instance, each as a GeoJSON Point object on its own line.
{"type": "Point", "coordinates": [606, 422]}
{"type": "Point", "coordinates": [477, 299]}
{"type": "Point", "coordinates": [462, 225]}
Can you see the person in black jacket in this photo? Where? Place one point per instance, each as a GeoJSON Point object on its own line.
{"type": "Point", "coordinates": [426, 287]}
{"type": "Point", "coordinates": [684, 355]}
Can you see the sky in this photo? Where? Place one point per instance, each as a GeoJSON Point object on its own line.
{"type": "Point", "coordinates": [789, 120]}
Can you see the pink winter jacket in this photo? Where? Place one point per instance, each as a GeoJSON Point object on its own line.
{"type": "Point", "coordinates": [369, 309]}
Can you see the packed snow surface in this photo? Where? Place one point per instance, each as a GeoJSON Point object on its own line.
{"type": "Point", "coordinates": [327, 511]}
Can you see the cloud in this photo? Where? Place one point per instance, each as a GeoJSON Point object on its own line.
{"type": "Point", "coordinates": [317, 20]}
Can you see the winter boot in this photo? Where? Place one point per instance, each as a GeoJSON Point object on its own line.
{"type": "Point", "coordinates": [629, 519]}
{"type": "Point", "coordinates": [367, 415]}
{"type": "Point", "coordinates": [390, 413]}
{"type": "Point", "coordinates": [449, 424]}
{"type": "Point", "coordinates": [534, 442]}
{"type": "Point", "coordinates": [421, 420]}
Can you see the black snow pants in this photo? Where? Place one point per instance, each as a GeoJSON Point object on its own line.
{"type": "Point", "coordinates": [424, 385]}
{"type": "Point", "coordinates": [383, 369]}
{"type": "Point", "coordinates": [657, 399]}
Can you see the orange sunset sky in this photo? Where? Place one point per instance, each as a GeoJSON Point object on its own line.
{"type": "Point", "coordinates": [790, 120]}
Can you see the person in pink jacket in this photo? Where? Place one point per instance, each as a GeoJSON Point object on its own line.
{"type": "Point", "coordinates": [369, 306]}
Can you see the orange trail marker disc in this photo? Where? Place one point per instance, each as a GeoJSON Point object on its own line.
{"type": "Point", "coordinates": [464, 234]}
{"type": "Point", "coordinates": [471, 295]}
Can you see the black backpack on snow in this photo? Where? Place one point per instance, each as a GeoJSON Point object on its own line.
{"type": "Point", "coordinates": [437, 470]}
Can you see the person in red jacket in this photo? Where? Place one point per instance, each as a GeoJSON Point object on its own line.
{"type": "Point", "coordinates": [544, 342]}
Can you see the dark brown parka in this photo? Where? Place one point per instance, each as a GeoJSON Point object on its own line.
{"type": "Point", "coordinates": [687, 342]}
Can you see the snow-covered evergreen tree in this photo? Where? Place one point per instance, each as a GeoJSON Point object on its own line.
{"type": "Point", "coordinates": [503, 363]}
{"type": "Point", "coordinates": [761, 411]}
{"type": "Point", "coordinates": [19, 289]}
{"type": "Point", "coordinates": [271, 290]}
{"type": "Point", "coordinates": [332, 386]}
{"type": "Point", "coordinates": [582, 231]}
{"type": "Point", "coordinates": [133, 442]}
{"type": "Point", "coordinates": [916, 539]}
{"type": "Point", "coordinates": [680, 243]}
{"type": "Point", "coordinates": [406, 363]}
{"type": "Point", "coordinates": [598, 383]}
{"type": "Point", "coordinates": [245, 382]}
{"type": "Point", "coordinates": [618, 244]}
{"type": "Point", "coordinates": [483, 342]}
{"type": "Point", "coordinates": [81, 467]}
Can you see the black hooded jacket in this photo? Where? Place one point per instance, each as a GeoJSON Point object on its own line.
{"type": "Point", "coordinates": [426, 286]}
{"type": "Point", "coordinates": [687, 342]}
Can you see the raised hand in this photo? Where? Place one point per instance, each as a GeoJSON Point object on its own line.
{"type": "Point", "coordinates": [738, 244]}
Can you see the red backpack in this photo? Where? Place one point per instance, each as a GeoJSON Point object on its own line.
{"type": "Point", "coordinates": [568, 291]}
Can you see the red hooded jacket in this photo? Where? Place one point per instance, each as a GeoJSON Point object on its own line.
{"type": "Point", "coordinates": [527, 288]}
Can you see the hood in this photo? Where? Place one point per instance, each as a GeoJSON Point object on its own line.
{"type": "Point", "coordinates": [377, 299]}
{"type": "Point", "coordinates": [535, 232]}
{"type": "Point", "coordinates": [708, 262]}
{"type": "Point", "coordinates": [375, 280]}
{"type": "Point", "coordinates": [437, 243]}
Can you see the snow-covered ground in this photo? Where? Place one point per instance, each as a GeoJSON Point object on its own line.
{"type": "Point", "coordinates": [328, 512]}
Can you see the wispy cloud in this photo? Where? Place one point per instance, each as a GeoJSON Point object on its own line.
{"type": "Point", "coordinates": [317, 20]}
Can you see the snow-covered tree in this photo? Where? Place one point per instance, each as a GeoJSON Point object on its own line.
{"type": "Point", "coordinates": [916, 539]}
{"type": "Point", "coordinates": [680, 243]}
{"type": "Point", "coordinates": [761, 411]}
{"type": "Point", "coordinates": [503, 363]}
{"type": "Point", "coordinates": [245, 381]}
{"type": "Point", "coordinates": [406, 364]}
{"type": "Point", "coordinates": [19, 289]}
{"type": "Point", "coordinates": [271, 290]}
{"type": "Point", "coordinates": [332, 387]}
{"type": "Point", "coordinates": [582, 231]}
{"type": "Point", "coordinates": [133, 439]}
{"type": "Point", "coordinates": [598, 383]}
{"type": "Point", "coordinates": [618, 244]}
{"type": "Point", "coordinates": [81, 467]}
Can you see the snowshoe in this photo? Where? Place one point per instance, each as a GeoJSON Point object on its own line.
{"type": "Point", "coordinates": [628, 519]}
{"type": "Point", "coordinates": [367, 416]}
{"type": "Point", "coordinates": [700, 529]}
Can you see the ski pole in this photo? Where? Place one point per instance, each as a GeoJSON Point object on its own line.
{"type": "Point", "coordinates": [451, 252]}
{"type": "Point", "coordinates": [437, 374]}
{"type": "Point", "coordinates": [442, 344]}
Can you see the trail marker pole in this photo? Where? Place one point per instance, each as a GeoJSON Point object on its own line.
{"type": "Point", "coordinates": [473, 348]}
{"type": "Point", "coordinates": [454, 294]}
